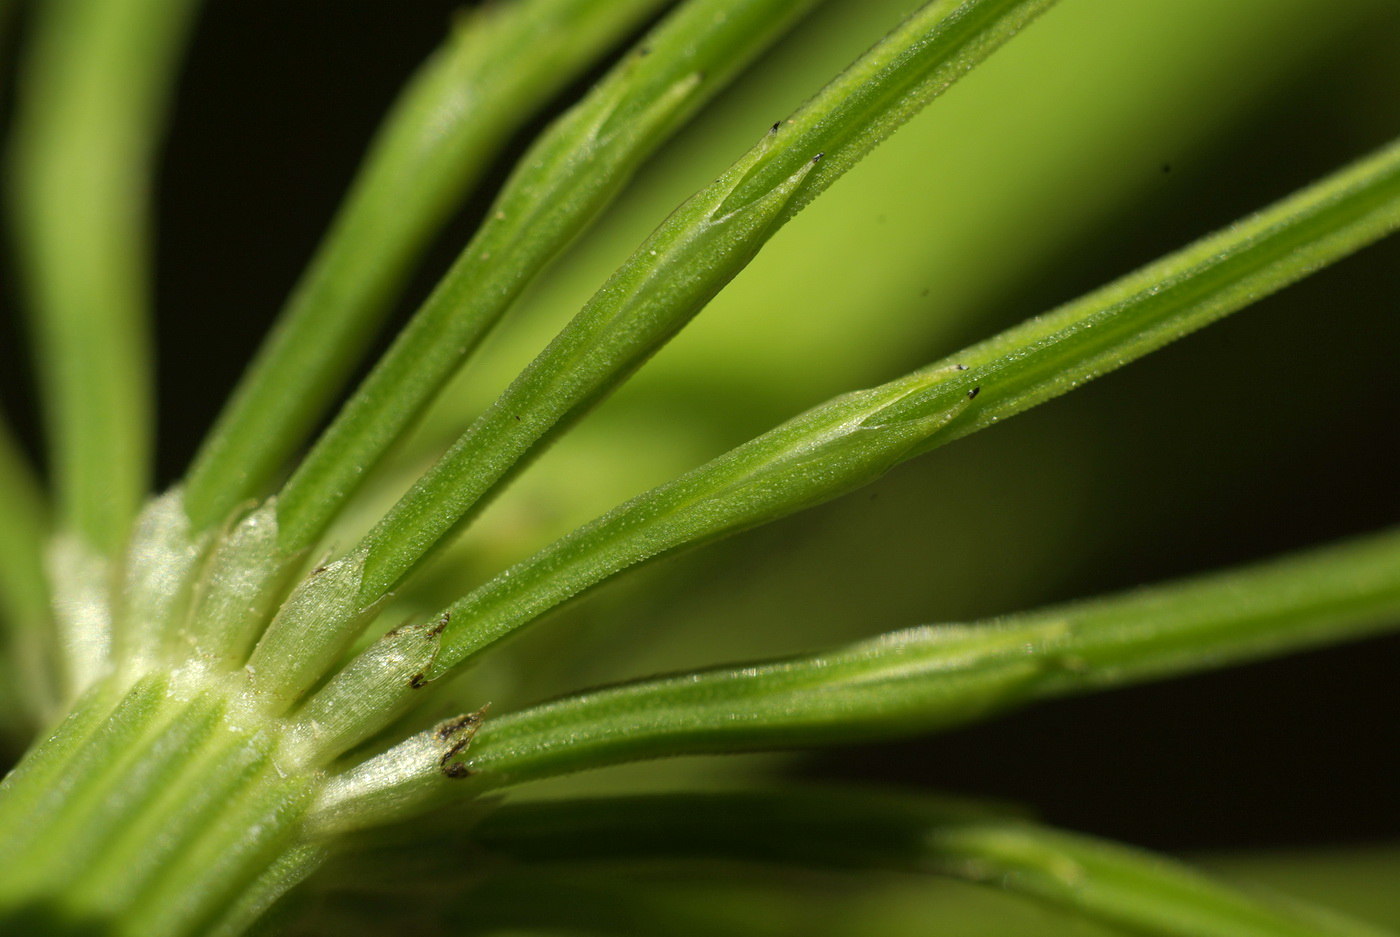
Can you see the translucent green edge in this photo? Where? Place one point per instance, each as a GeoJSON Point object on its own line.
{"type": "Point", "coordinates": [560, 185]}
{"type": "Point", "coordinates": [24, 600]}
{"type": "Point", "coordinates": [937, 676]}
{"type": "Point", "coordinates": [91, 104]}
{"type": "Point", "coordinates": [500, 64]}
{"type": "Point", "coordinates": [1079, 875]}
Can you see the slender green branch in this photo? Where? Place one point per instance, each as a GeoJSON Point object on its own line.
{"type": "Point", "coordinates": [675, 272]}
{"type": "Point", "coordinates": [91, 105]}
{"type": "Point", "coordinates": [853, 439]}
{"type": "Point", "coordinates": [846, 442]}
{"type": "Point", "coordinates": [575, 169]}
{"type": "Point", "coordinates": [689, 258]}
{"type": "Point", "coordinates": [933, 677]}
{"type": "Point", "coordinates": [500, 64]}
{"type": "Point", "coordinates": [902, 683]}
{"type": "Point", "coordinates": [1082, 876]}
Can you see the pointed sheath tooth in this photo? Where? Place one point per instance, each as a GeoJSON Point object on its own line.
{"type": "Point", "coordinates": [243, 580]}
{"type": "Point", "coordinates": [607, 125]}
{"type": "Point", "coordinates": [313, 628]}
{"type": "Point", "coordinates": [667, 281]}
{"type": "Point", "coordinates": [420, 771]}
{"type": "Point", "coordinates": [161, 563]}
{"type": "Point", "coordinates": [367, 694]}
{"type": "Point", "coordinates": [659, 118]}
{"type": "Point", "coordinates": [735, 230]}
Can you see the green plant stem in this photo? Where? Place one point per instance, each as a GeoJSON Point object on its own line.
{"type": "Point", "coordinates": [568, 176]}
{"type": "Point", "coordinates": [1079, 875]}
{"type": "Point", "coordinates": [853, 439]}
{"type": "Point", "coordinates": [500, 64]}
{"type": "Point", "coordinates": [152, 810]}
{"type": "Point", "coordinates": [91, 104]}
{"type": "Point", "coordinates": [689, 258]}
{"type": "Point", "coordinates": [934, 677]}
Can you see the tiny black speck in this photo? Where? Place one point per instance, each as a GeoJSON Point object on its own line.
{"type": "Point", "coordinates": [774, 128]}
{"type": "Point", "coordinates": [973, 393]}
